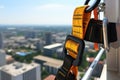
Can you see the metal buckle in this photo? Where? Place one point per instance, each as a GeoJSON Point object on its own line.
{"type": "Point", "coordinates": [78, 60]}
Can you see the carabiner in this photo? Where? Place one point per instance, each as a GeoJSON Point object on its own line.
{"type": "Point", "coordinates": [93, 6]}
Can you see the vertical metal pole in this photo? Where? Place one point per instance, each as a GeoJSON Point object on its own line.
{"type": "Point", "coordinates": [105, 36]}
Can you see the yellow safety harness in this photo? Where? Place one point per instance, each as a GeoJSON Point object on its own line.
{"type": "Point", "coordinates": [83, 28]}
{"type": "Point", "coordinates": [74, 45]}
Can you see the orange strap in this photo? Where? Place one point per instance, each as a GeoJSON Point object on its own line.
{"type": "Point", "coordinates": [95, 11]}
{"type": "Point", "coordinates": [96, 46]}
{"type": "Point", "coordinates": [74, 70]}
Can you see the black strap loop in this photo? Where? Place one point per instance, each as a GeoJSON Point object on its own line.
{"type": "Point", "coordinates": [64, 72]}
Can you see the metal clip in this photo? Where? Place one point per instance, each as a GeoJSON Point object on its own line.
{"type": "Point", "coordinates": [101, 7]}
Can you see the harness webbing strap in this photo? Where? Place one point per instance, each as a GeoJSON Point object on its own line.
{"type": "Point", "coordinates": [74, 45]}
{"type": "Point", "coordinates": [74, 70]}
{"type": "Point", "coordinates": [80, 22]}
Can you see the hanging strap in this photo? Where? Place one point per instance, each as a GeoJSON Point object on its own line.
{"type": "Point", "coordinates": [95, 11]}
{"type": "Point", "coordinates": [74, 45]}
{"type": "Point", "coordinates": [80, 22]}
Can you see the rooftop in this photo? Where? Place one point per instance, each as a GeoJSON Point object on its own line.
{"type": "Point", "coordinates": [53, 65]}
{"type": "Point", "coordinates": [2, 51]}
{"type": "Point", "coordinates": [50, 77]}
{"type": "Point", "coordinates": [17, 68]}
{"type": "Point", "coordinates": [49, 61]}
{"type": "Point", "coordinates": [23, 53]}
{"type": "Point", "coordinates": [53, 45]}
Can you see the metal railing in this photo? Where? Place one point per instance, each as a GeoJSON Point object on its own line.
{"type": "Point", "coordinates": [105, 48]}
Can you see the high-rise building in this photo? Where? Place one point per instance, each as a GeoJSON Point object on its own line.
{"type": "Point", "coordinates": [20, 71]}
{"type": "Point", "coordinates": [30, 34]}
{"type": "Point", "coordinates": [50, 50]}
{"type": "Point", "coordinates": [48, 38]}
{"type": "Point", "coordinates": [2, 58]}
{"type": "Point", "coordinates": [1, 40]}
{"type": "Point", "coordinates": [39, 45]}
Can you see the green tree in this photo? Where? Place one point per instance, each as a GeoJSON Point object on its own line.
{"type": "Point", "coordinates": [84, 63]}
{"type": "Point", "coordinates": [45, 73]}
{"type": "Point", "coordinates": [29, 58]}
{"type": "Point", "coordinates": [19, 58]}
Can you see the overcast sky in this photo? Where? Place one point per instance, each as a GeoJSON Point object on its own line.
{"type": "Point", "coordinates": [42, 12]}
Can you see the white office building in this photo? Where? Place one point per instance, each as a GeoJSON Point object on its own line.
{"type": "Point", "coordinates": [49, 50]}
{"type": "Point", "coordinates": [2, 57]}
{"type": "Point", "coordinates": [20, 71]}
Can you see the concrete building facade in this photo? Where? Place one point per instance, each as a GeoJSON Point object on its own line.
{"type": "Point", "coordinates": [20, 71]}
{"type": "Point", "coordinates": [113, 57]}
{"type": "Point", "coordinates": [2, 58]}
{"type": "Point", "coordinates": [1, 40]}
